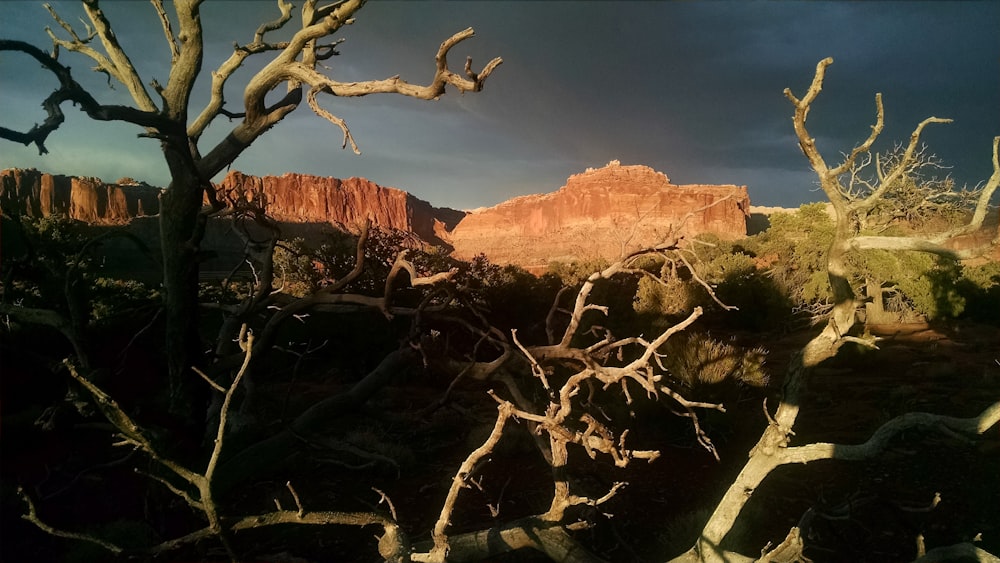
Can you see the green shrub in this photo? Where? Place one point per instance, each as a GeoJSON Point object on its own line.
{"type": "Point", "coordinates": [794, 250]}
{"type": "Point", "coordinates": [980, 285]}
{"type": "Point", "coordinates": [983, 277]}
{"type": "Point", "coordinates": [576, 272]}
{"type": "Point", "coordinates": [672, 297]}
{"type": "Point", "coordinates": [696, 359]}
{"type": "Point", "coordinates": [919, 284]}
{"type": "Point", "coordinates": [295, 268]}
{"type": "Point", "coordinates": [112, 297]}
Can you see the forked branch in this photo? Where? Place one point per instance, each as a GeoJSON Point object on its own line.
{"type": "Point", "coordinates": [71, 91]}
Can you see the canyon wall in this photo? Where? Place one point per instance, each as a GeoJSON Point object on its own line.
{"type": "Point", "coordinates": [291, 198]}
{"type": "Point", "coordinates": [37, 194]}
{"type": "Point", "coordinates": [300, 198]}
{"type": "Point", "coordinates": [601, 213]}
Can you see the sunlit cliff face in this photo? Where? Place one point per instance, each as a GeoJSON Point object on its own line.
{"type": "Point", "coordinates": [37, 194]}
{"type": "Point", "coordinates": [601, 213]}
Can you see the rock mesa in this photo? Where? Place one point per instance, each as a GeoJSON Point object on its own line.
{"type": "Point", "coordinates": [601, 213]}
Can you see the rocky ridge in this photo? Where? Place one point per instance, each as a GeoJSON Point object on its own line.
{"type": "Point", "coordinates": [301, 198]}
{"type": "Point", "coordinates": [602, 213]}
{"type": "Point", "coordinates": [37, 194]}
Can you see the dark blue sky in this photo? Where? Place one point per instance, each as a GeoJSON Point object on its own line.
{"type": "Point", "coordinates": [692, 89]}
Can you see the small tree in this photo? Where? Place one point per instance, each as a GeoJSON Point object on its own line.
{"type": "Point", "coordinates": [793, 251]}
{"type": "Point", "coordinates": [164, 112]}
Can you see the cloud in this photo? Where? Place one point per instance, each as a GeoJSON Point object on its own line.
{"type": "Point", "coordinates": [690, 88]}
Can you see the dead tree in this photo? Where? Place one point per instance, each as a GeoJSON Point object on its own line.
{"type": "Point", "coordinates": [164, 111]}
{"type": "Point", "coordinates": [570, 366]}
{"type": "Point", "coordinates": [197, 488]}
{"type": "Point", "coordinates": [774, 447]}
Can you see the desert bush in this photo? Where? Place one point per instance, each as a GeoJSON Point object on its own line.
{"type": "Point", "coordinates": [983, 276]}
{"type": "Point", "coordinates": [728, 268]}
{"type": "Point", "coordinates": [508, 295]}
{"type": "Point", "coordinates": [303, 268]}
{"type": "Point", "coordinates": [113, 297]}
{"type": "Point", "coordinates": [295, 267]}
{"type": "Point", "coordinates": [980, 286]}
{"type": "Point", "coordinates": [913, 285]}
{"type": "Point", "coordinates": [795, 245]}
{"type": "Point", "coordinates": [732, 272]}
{"type": "Point", "coordinates": [35, 270]}
{"type": "Point", "coordinates": [575, 272]}
{"type": "Point", "coordinates": [697, 359]}
{"type": "Point", "coordinates": [910, 285]}
{"type": "Point", "coordinates": [670, 297]}
{"type": "Point", "coordinates": [760, 303]}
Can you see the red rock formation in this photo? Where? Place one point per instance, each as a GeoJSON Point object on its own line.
{"type": "Point", "coordinates": [601, 213]}
{"type": "Point", "coordinates": [37, 194]}
{"type": "Point", "coordinates": [343, 203]}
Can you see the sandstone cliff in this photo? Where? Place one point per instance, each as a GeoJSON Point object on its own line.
{"type": "Point", "coordinates": [602, 213]}
{"type": "Point", "coordinates": [37, 194]}
{"type": "Point", "coordinates": [291, 198]}
{"type": "Point", "coordinates": [300, 198]}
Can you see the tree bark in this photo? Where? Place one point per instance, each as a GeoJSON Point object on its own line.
{"type": "Point", "coordinates": [530, 533]}
{"type": "Point", "coordinates": [181, 230]}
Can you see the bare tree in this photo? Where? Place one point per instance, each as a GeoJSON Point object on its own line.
{"type": "Point", "coordinates": [578, 360]}
{"type": "Point", "coordinates": [774, 447]}
{"type": "Point", "coordinates": [164, 112]}
{"type": "Point", "coordinates": [923, 198]}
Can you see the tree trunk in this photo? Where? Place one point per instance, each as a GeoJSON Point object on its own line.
{"type": "Point", "coordinates": [181, 230]}
{"type": "Point", "coordinates": [875, 303]}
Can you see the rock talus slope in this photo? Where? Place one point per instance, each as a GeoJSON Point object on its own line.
{"type": "Point", "coordinates": [601, 213]}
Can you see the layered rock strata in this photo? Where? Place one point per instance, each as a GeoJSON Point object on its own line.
{"type": "Point", "coordinates": [300, 198]}
{"type": "Point", "coordinates": [37, 194]}
{"type": "Point", "coordinates": [601, 213]}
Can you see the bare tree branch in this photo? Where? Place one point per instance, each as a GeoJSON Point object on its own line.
{"type": "Point", "coordinates": [222, 74]}
{"type": "Point", "coordinates": [902, 167]}
{"type": "Point", "coordinates": [286, 67]}
{"type": "Point", "coordinates": [114, 62]}
{"type": "Point", "coordinates": [32, 516]}
{"type": "Point", "coordinates": [70, 90]}
{"type": "Point", "coordinates": [880, 439]}
{"type": "Point", "coordinates": [168, 32]}
{"type": "Point", "coordinates": [132, 432]}
{"type": "Point", "coordinates": [314, 104]}
{"type": "Point", "coordinates": [440, 550]}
